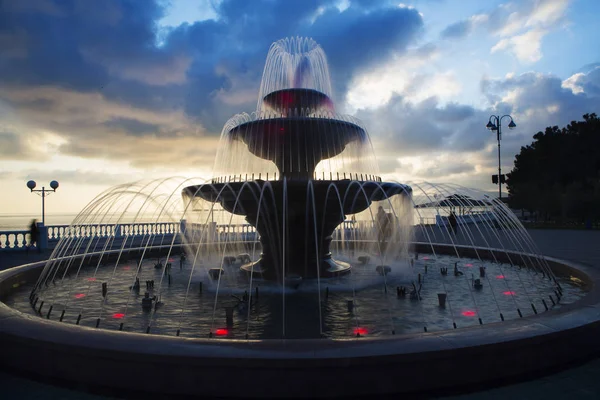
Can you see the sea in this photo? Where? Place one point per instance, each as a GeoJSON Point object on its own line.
{"type": "Point", "coordinates": [14, 222]}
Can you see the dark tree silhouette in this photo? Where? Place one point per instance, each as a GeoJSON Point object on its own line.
{"type": "Point", "coordinates": [558, 175]}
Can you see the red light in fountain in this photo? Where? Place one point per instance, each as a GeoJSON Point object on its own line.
{"type": "Point", "coordinates": [499, 276]}
{"type": "Point", "coordinates": [425, 258]}
{"type": "Point", "coordinates": [118, 315]}
{"type": "Point", "coordinates": [508, 293]}
{"type": "Point", "coordinates": [468, 265]}
{"type": "Point", "coordinates": [127, 268]}
{"type": "Point", "coordinates": [80, 295]}
{"type": "Point", "coordinates": [469, 313]}
{"type": "Point", "coordinates": [91, 279]}
{"type": "Point", "coordinates": [171, 260]}
{"type": "Point", "coordinates": [360, 331]}
{"type": "Point", "coordinates": [221, 332]}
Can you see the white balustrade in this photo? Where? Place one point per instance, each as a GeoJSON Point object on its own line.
{"type": "Point", "coordinates": [18, 240]}
{"type": "Point", "coordinates": [14, 240]}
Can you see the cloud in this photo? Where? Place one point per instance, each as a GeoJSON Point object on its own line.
{"type": "Point", "coordinates": [14, 147]}
{"type": "Point", "coordinates": [526, 47]}
{"type": "Point", "coordinates": [433, 140]}
{"type": "Point", "coordinates": [82, 71]}
{"type": "Point", "coordinates": [581, 82]}
{"type": "Point", "coordinates": [457, 30]}
{"type": "Point", "coordinates": [463, 28]}
{"type": "Point", "coordinates": [90, 126]}
{"type": "Point", "coordinates": [383, 33]}
{"type": "Point", "coordinates": [522, 26]}
{"type": "Point", "coordinates": [404, 128]}
{"type": "Point", "coordinates": [405, 75]}
{"type": "Point", "coordinates": [544, 98]}
{"type": "Point", "coordinates": [82, 177]}
{"type": "Point", "coordinates": [131, 126]}
{"type": "Point", "coordinates": [537, 100]}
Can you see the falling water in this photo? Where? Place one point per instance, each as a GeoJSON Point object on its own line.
{"type": "Point", "coordinates": [294, 236]}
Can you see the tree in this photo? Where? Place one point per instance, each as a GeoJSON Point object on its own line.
{"type": "Point", "coordinates": [558, 174]}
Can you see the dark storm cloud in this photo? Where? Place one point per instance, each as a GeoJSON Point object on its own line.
{"type": "Point", "coordinates": [354, 40]}
{"type": "Point", "coordinates": [457, 30]}
{"type": "Point", "coordinates": [92, 46]}
{"type": "Point", "coordinates": [210, 69]}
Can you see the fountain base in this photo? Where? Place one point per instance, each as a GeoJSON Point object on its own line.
{"type": "Point", "coordinates": [295, 220]}
{"type": "Point", "coordinates": [328, 267]}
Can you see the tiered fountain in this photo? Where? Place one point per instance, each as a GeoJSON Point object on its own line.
{"type": "Point", "coordinates": [294, 132]}
{"type": "Point", "coordinates": [294, 237]}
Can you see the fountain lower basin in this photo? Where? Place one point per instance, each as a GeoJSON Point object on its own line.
{"type": "Point", "coordinates": [371, 364]}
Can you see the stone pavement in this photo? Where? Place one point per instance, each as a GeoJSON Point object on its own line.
{"type": "Point", "coordinates": [578, 382]}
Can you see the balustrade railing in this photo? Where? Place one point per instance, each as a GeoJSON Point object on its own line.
{"type": "Point", "coordinates": [19, 240]}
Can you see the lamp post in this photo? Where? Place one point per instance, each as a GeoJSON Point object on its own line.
{"type": "Point", "coordinates": [43, 192]}
{"type": "Point", "coordinates": [495, 124]}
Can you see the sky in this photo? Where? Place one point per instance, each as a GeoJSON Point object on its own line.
{"type": "Point", "coordinates": [99, 93]}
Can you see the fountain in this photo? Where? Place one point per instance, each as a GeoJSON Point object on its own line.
{"type": "Point", "coordinates": [295, 236]}
{"type": "Point", "coordinates": [296, 128]}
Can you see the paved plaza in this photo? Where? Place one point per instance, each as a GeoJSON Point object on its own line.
{"type": "Point", "coordinates": [580, 382]}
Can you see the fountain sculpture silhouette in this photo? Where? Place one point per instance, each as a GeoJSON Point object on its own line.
{"type": "Point", "coordinates": [296, 129]}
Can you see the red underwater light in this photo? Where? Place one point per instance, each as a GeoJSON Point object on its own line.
{"type": "Point", "coordinates": [221, 332]}
{"type": "Point", "coordinates": [91, 279]}
{"type": "Point", "coordinates": [118, 315]}
{"type": "Point", "coordinates": [360, 331]}
{"type": "Point", "coordinates": [508, 293]}
{"type": "Point", "coordinates": [499, 276]}
{"type": "Point", "coordinates": [80, 295]}
{"type": "Point", "coordinates": [469, 313]}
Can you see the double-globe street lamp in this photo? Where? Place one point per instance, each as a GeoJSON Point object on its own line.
{"type": "Point", "coordinates": [43, 192]}
{"type": "Point", "coordinates": [495, 125]}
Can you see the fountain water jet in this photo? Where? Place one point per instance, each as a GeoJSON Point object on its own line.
{"type": "Point", "coordinates": [296, 129]}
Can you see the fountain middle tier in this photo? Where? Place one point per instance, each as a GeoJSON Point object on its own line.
{"type": "Point", "coordinates": [295, 220]}
{"type": "Point", "coordinates": [296, 144]}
